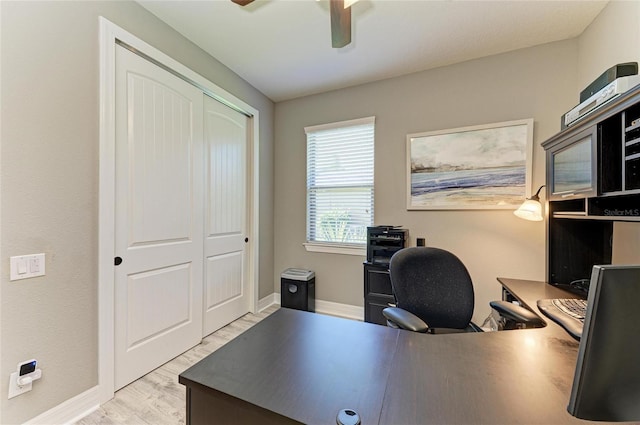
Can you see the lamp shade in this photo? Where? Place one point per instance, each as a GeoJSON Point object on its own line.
{"type": "Point", "coordinates": [531, 209]}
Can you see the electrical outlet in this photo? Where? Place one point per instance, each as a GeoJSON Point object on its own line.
{"type": "Point", "coordinates": [22, 380]}
{"type": "Point", "coordinates": [15, 389]}
{"type": "Point", "coordinates": [26, 266]}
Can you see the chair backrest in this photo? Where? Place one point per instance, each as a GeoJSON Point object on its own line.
{"type": "Point", "coordinates": [434, 285]}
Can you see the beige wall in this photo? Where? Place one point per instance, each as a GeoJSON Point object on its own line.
{"type": "Point", "coordinates": [612, 38]}
{"type": "Point", "coordinates": [531, 83]}
{"type": "Point", "coordinates": [49, 163]}
{"type": "Point", "coordinates": [540, 82]}
{"type": "Point", "coordinates": [49, 192]}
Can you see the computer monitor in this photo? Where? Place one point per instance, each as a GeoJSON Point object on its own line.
{"type": "Point", "coordinates": [606, 384]}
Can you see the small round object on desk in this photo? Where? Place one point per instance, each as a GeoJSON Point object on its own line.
{"type": "Point", "coordinates": [348, 417]}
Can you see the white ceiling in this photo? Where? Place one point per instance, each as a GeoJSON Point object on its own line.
{"type": "Point", "coordinates": [283, 47]}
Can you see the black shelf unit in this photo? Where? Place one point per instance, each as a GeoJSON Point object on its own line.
{"type": "Point", "coordinates": [378, 293]}
{"type": "Point", "coordinates": [580, 224]}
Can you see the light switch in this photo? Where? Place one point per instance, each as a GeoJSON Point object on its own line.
{"type": "Point", "coordinates": [26, 266]}
{"type": "Point", "coordinates": [22, 265]}
{"type": "Point", "coordinates": [34, 264]}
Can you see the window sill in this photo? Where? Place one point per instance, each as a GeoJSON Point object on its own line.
{"type": "Point", "coordinates": [336, 249]}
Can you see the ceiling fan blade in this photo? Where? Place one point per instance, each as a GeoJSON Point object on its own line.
{"type": "Point", "coordinates": [340, 24]}
{"type": "Point", "coordinates": [242, 2]}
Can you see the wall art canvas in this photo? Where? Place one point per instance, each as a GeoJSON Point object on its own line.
{"type": "Point", "coordinates": [479, 167]}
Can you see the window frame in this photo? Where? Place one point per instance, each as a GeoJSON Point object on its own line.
{"type": "Point", "coordinates": [338, 247]}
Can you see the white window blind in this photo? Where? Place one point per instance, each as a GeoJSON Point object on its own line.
{"type": "Point", "coordinates": [340, 181]}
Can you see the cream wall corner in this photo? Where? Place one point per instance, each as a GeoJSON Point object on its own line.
{"type": "Point", "coordinates": [612, 38]}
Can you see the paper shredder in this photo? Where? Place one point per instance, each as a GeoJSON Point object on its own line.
{"type": "Point", "coordinates": [298, 289]}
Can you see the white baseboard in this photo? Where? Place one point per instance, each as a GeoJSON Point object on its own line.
{"type": "Point", "coordinates": [69, 411]}
{"type": "Point", "coordinates": [342, 310]}
{"type": "Point", "coordinates": [268, 301]}
{"type": "Point", "coordinates": [333, 309]}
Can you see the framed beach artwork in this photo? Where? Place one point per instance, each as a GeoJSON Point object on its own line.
{"type": "Point", "coordinates": [480, 167]}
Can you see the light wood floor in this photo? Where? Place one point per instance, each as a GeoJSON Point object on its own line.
{"type": "Point", "coordinates": [157, 398]}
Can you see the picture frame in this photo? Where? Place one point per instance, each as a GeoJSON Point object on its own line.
{"type": "Point", "coordinates": [469, 168]}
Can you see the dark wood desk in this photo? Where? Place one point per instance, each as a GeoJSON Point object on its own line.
{"type": "Point", "coordinates": [293, 366]}
{"type": "Point", "coordinates": [303, 367]}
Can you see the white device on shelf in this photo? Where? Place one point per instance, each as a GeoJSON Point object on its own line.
{"type": "Point", "coordinates": [605, 94]}
{"type": "Point", "coordinates": [21, 381]}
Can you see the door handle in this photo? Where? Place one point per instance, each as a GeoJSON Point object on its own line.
{"type": "Point", "coordinates": [246, 240]}
{"type": "Point", "coordinates": [117, 261]}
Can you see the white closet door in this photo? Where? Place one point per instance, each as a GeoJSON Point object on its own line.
{"type": "Point", "coordinates": [226, 292]}
{"type": "Point", "coordinates": [158, 216]}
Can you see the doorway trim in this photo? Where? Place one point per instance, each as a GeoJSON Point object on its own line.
{"type": "Point", "coordinates": [110, 35]}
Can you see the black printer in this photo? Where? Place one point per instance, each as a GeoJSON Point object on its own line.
{"type": "Point", "coordinates": [383, 242]}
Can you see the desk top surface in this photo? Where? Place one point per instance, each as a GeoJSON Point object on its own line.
{"type": "Point", "coordinates": [295, 358]}
{"type": "Point", "coordinates": [307, 367]}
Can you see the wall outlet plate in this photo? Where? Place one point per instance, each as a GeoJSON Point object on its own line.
{"type": "Point", "coordinates": [26, 266]}
{"type": "Point", "coordinates": [15, 389]}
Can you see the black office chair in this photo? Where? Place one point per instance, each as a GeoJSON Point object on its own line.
{"type": "Point", "coordinates": [433, 291]}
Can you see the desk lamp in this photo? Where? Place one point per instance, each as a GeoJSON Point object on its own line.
{"type": "Point", "coordinates": [531, 209]}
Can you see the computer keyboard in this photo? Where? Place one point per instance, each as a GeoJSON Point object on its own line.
{"type": "Point", "coordinates": [567, 312]}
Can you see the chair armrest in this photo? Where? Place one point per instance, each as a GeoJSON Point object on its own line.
{"type": "Point", "coordinates": [405, 320]}
{"type": "Point", "coordinates": [517, 313]}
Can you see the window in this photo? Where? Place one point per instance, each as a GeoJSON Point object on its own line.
{"type": "Point", "coordinates": [339, 185]}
